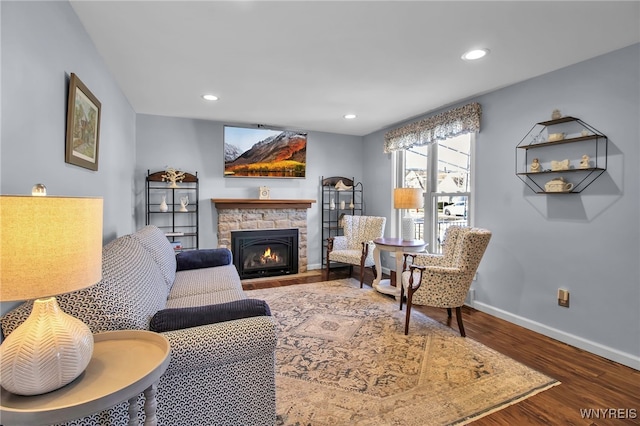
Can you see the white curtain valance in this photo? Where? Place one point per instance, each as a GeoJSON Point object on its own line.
{"type": "Point", "coordinates": [448, 124]}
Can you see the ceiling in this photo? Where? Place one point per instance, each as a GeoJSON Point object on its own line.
{"type": "Point", "coordinates": [305, 64]}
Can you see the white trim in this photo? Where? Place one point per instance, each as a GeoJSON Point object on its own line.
{"type": "Point", "coordinates": [397, 175]}
{"type": "Point", "coordinates": [612, 354]}
{"type": "Point", "coordinates": [471, 214]}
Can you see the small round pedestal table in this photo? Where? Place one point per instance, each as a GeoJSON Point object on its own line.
{"type": "Point", "coordinates": [399, 246]}
{"type": "Point", "coordinates": [124, 364]}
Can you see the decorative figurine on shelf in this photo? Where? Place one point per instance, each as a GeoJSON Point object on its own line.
{"type": "Point", "coordinates": [342, 205]}
{"type": "Point", "coordinates": [351, 205]}
{"type": "Point", "coordinates": [584, 163]}
{"type": "Point", "coordinates": [184, 202]}
{"type": "Point", "coordinates": [340, 186]}
{"type": "Point", "coordinates": [560, 165]}
{"type": "Point", "coordinates": [163, 205]}
{"type": "Point", "coordinates": [535, 166]}
{"type": "Point", "coordinates": [584, 132]}
{"type": "Point", "coordinates": [558, 184]}
{"type": "Point", "coordinates": [556, 114]}
{"type": "Point", "coordinates": [332, 204]}
{"type": "Point", "coordinates": [172, 175]}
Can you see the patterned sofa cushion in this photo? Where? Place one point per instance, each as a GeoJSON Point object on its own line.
{"type": "Point", "coordinates": [211, 298]}
{"type": "Point", "coordinates": [131, 291]}
{"type": "Point", "coordinates": [157, 244]}
{"type": "Point", "coordinates": [181, 318]}
{"type": "Point", "coordinates": [206, 280]}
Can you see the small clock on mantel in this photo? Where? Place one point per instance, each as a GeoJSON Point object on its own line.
{"type": "Point", "coordinates": [264, 193]}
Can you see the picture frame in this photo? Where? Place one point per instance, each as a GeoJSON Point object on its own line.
{"type": "Point", "coordinates": [83, 126]}
{"type": "Point", "coordinates": [261, 152]}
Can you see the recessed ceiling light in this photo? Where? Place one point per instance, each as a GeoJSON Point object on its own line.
{"type": "Point", "coordinates": [472, 55]}
{"type": "Point", "coordinates": [210, 97]}
{"type": "Point", "coordinates": [349, 116]}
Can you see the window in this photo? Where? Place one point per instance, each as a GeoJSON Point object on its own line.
{"type": "Point", "coordinates": [443, 171]}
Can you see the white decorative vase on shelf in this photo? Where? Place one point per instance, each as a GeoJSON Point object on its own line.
{"type": "Point", "coordinates": [332, 204]}
{"type": "Point", "coordinates": [184, 202]}
{"type": "Point", "coordinates": [163, 204]}
{"type": "Point", "coordinates": [342, 205]}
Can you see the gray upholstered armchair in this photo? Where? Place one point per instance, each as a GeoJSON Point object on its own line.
{"type": "Point", "coordinates": [443, 280]}
{"type": "Point", "coordinates": [355, 247]}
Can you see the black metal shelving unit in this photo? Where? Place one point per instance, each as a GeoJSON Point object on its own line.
{"type": "Point", "coordinates": [332, 209]}
{"type": "Point", "coordinates": [180, 227]}
{"type": "Point", "coordinates": [566, 139]}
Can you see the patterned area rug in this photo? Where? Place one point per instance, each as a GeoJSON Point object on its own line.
{"type": "Point", "coordinates": [343, 359]}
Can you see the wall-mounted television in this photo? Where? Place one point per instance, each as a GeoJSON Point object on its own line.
{"type": "Point", "coordinates": [264, 153]}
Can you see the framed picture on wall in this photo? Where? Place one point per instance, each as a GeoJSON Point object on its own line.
{"type": "Point", "coordinates": [83, 126]}
{"type": "Point", "coordinates": [260, 152]}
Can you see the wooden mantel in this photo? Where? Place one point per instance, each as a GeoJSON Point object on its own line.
{"type": "Point", "coordinates": [244, 203]}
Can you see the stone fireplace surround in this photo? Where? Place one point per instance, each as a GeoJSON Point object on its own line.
{"type": "Point", "coordinates": [249, 214]}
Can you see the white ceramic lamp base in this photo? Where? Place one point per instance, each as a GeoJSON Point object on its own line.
{"type": "Point", "coordinates": [408, 229]}
{"type": "Point", "coordinates": [49, 350]}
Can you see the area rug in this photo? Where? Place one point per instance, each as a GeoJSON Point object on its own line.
{"type": "Point", "coordinates": [342, 359]}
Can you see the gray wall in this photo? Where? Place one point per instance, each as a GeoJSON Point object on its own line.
{"type": "Point", "coordinates": [588, 243]}
{"type": "Point", "coordinates": [42, 43]}
{"type": "Point", "coordinates": [197, 145]}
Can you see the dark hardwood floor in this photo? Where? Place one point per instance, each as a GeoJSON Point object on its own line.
{"type": "Point", "coordinates": [589, 382]}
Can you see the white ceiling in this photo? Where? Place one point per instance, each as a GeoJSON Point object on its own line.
{"type": "Point", "coordinates": [304, 64]}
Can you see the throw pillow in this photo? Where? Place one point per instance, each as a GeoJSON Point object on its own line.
{"type": "Point", "coordinates": [180, 318]}
{"type": "Point", "coordinates": [206, 258]}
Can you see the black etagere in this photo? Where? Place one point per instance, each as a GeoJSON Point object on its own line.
{"type": "Point", "coordinates": [174, 208]}
{"type": "Point", "coordinates": [340, 196]}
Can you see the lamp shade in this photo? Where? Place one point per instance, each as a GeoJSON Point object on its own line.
{"type": "Point", "coordinates": [49, 245]}
{"type": "Point", "coordinates": [407, 198]}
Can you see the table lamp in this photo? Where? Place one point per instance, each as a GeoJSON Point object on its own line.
{"type": "Point", "coordinates": [48, 246]}
{"type": "Point", "coordinates": [407, 198]}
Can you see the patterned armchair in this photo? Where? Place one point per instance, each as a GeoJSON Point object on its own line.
{"type": "Point", "coordinates": [443, 280]}
{"type": "Point", "coordinates": [355, 247]}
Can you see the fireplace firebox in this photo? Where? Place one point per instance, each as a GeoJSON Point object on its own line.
{"type": "Point", "coordinates": [265, 252]}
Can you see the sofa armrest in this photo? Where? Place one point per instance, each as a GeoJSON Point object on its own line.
{"type": "Point", "coordinates": [205, 258]}
{"type": "Point", "coordinates": [206, 346]}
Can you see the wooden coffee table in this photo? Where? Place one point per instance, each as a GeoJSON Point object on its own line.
{"type": "Point", "coordinates": [124, 364]}
{"type": "Point", "coordinates": [399, 246]}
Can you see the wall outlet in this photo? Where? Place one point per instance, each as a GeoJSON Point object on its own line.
{"type": "Point", "coordinates": [563, 297]}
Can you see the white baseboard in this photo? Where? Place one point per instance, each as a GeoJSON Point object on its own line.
{"type": "Point", "coordinates": [624, 358]}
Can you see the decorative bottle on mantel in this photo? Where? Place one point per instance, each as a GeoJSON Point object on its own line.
{"type": "Point", "coordinates": [163, 205]}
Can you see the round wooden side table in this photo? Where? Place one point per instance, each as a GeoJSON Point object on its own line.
{"type": "Point", "coordinates": [399, 246]}
{"type": "Point", "coordinates": [124, 364]}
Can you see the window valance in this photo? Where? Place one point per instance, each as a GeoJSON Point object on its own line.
{"type": "Point", "coordinates": [448, 124]}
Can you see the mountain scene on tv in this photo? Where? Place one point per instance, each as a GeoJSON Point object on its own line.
{"type": "Point", "coordinates": [282, 154]}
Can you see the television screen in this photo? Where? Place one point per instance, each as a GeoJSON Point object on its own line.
{"type": "Point", "coordinates": [262, 152]}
